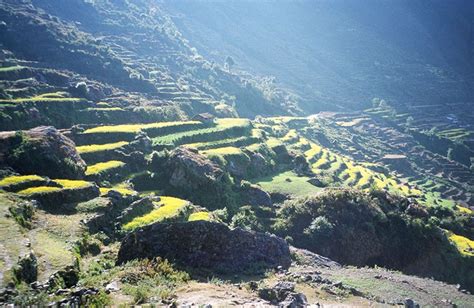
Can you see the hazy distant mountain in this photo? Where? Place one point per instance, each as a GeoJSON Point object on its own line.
{"type": "Point", "coordinates": [342, 52]}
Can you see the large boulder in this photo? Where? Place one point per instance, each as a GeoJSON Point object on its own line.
{"type": "Point", "coordinates": [189, 169]}
{"type": "Point", "coordinates": [283, 294]}
{"type": "Point", "coordinates": [194, 177]}
{"type": "Point", "coordinates": [209, 245]}
{"type": "Point", "coordinates": [42, 150]}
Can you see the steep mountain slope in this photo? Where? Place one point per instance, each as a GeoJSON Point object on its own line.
{"type": "Point", "coordinates": [148, 56]}
{"type": "Point", "coordinates": [341, 54]}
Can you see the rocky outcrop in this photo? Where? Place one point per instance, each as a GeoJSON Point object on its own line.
{"type": "Point", "coordinates": [137, 208]}
{"type": "Point", "coordinates": [109, 221]}
{"type": "Point", "coordinates": [189, 169]}
{"type": "Point", "coordinates": [302, 166]}
{"type": "Point", "coordinates": [283, 294]}
{"type": "Point", "coordinates": [259, 165]}
{"type": "Point", "coordinates": [316, 182]}
{"type": "Point", "coordinates": [192, 176]}
{"type": "Point", "coordinates": [42, 150]}
{"type": "Point", "coordinates": [209, 245]}
{"type": "Point", "coordinates": [312, 259]}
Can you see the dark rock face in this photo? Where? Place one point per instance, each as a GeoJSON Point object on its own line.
{"type": "Point", "coordinates": [66, 278]}
{"type": "Point", "coordinates": [42, 150]}
{"type": "Point", "coordinates": [283, 156]}
{"type": "Point", "coordinates": [316, 182]}
{"type": "Point", "coordinates": [203, 244]}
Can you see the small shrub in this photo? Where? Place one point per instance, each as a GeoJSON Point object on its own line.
{"type": "Point", "coordinates": [87, 245]}
{"type": "Point", "coordinates": [27, 297]}
{"type": "Point", "coordinates": [151, 278]}
{"type": "Point", "coordinates": [222, 214]}
{"type": "Point", "coordinates": [246, 219]}
{"type": "Point", "coordinates": [81, 89]}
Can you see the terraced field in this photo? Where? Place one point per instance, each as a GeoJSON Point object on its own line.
{"type": "Point", "coordinates": [107, 148]}
{"type": "Point", "coordinates": [133, 126]}
{"type": "Point", "coordinates": [345, 171]}
{"type": "Point", "coordinates": [382, 141]}
{"type": "Point", "coordinates": [117, 146]}
{"type": "Point", "coordinates": [165, 209]}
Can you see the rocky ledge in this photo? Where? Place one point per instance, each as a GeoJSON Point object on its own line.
{"type": "Point", "coordinates": [208, 245]}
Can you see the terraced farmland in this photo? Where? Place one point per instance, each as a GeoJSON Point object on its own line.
{"type": "Point", "coordinates": [136, 166]}
{"type": "Point", "coordinates": [107, 148]}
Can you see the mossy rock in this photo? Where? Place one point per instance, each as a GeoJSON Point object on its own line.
{"type": "Point", "coordinates": [42, 151]}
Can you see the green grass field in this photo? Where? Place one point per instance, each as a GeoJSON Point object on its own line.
{"type": "Point", "coordinates": [287, 183]}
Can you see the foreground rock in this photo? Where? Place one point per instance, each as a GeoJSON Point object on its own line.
{"type": "Point", "coordinates": [42, 150]}
{"type": "Point", "coordinates": [283, 294]}
{"type": "Point", "coordinates": [209, 245]}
